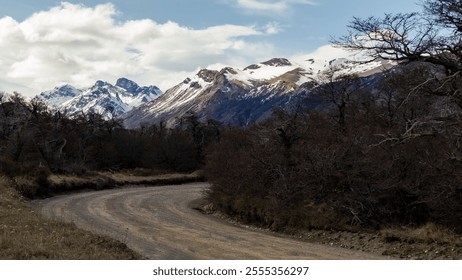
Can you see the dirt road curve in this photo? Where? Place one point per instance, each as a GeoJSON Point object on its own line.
{"type": "Point", "coordinates": [158, 223]}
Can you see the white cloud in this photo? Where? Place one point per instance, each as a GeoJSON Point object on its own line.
{"type": "Point", "coordinates": [270, 6]}
{"type": "Point", "coordinates": [79, 45]}
{"type": "Point", "coordinates": [273, 28]}
{"type": "Point", "coordinates": [260, 5]}
{"type": "Point", "coordinates": [325, 53]}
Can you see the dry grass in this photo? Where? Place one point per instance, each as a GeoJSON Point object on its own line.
{"type": "Point", "coordinates": [139, 177]}
{"type": "Point", "coordinates": [70, 179]}
{"type": "Point", "coordinates": [112, 179]}
{"type": "Point", "coordinates": [427, 233]}
{"type": "Point", "coordinates": [25, 235]}
{"type": "Point", "coordinates": [47, 185]}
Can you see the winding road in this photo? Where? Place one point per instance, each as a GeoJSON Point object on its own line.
{"type": "Point", "coordinates": [159, 223]}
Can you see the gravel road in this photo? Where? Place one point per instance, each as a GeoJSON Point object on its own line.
{"type": "Point", "coordinates": [159, 223]}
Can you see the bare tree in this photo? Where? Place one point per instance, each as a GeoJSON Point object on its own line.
{"type": "Point", "coordinates": [447, 13]}
{"type": "Point", "coordinates": [337, 89]}
{"type": "Point", "coordinates": [433, 36]}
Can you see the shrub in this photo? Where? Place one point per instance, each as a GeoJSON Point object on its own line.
{"type": "Point", "coordinates": [302, 171]}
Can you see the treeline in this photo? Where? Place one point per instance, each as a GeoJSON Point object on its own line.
{"type": "Point", "coordinates": [388, 155]}
{"type": "Point", "coordinates": [36, 141]}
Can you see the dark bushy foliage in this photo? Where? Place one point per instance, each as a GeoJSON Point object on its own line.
{"type": "Point", "coordinates": [386, 163]}
{"type": "Point", "coordinates": [33, 137]}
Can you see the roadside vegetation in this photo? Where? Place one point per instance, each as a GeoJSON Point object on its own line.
{"type": "Point", "coordinates": [387, 156]}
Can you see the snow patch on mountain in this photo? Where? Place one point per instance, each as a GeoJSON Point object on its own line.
{"type": "Point", "coordinates": [269, 69]}
{"type": "Point", "coordinates": [59, 95]}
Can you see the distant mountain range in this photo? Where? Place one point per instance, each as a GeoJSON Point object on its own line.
{"type": "Point", "coordinates": [229, 95]}
{"type": "Point", "coordinates": [102, 98]}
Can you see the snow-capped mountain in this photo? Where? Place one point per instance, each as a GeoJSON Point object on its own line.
{"type": "Point", "coordinates": [59, 95]}
{"type": "Point", "coordinates": [103, 98]}
{"type": "Point", "coordinates": [241, 97]}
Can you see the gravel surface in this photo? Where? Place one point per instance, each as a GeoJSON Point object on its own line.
{"type": "Point", "coordinates": [159, 223]}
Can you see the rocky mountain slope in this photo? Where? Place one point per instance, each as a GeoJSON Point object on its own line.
{"type": "Point", "coordinates": [240, 97]}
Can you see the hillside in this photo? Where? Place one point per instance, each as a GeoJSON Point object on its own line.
{"type": "Point", "coordinates": [244, 96]}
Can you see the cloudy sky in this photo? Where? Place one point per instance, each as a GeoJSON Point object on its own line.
{"type": "Point", "coordinates": [160, 42]}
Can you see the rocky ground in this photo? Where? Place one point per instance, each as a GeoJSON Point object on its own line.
{"type": "Point", "coordinates": [388, 244]}
{"type": "Point", "coordinates": [428, 242]}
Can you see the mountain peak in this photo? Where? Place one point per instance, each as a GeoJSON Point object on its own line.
{"type": "Point", "coordinates": [65, 87]}
{"type": "Point", "coordinates": [100, 83]}
{"type": "Point", "coordinates": [59, 95]}
{"type": "Point", "coordinates": [207, 75]}
{"type": "Point", "coordinates": [127, 84]}
{"type": "Point", "coordinates": [252, 67]}
{"type": "Point", "coordinates": [277, 62]}
{"type": "Point", "coordinates": [63, 90]}
{"type": "Point", "coordinates": [228, 70]}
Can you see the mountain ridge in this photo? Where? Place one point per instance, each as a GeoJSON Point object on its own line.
{"type": "Point", "coordinates": [229, 95]}
{"type": "Point", "coordinates": [242, 96]}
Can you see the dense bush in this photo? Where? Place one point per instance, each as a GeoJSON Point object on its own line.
{"type": "Point", "coordinates": [385, 163]}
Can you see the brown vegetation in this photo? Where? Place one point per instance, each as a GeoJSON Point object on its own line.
{"type": "Point", "coordinates": [34, 138]}
{"type": "Point", "coordinates": [46, 185]}
{"type": "Point", "coordinates": [36, 142]}
{"type": "Point", "coordinates": [391, 160]}
{"type": "Point", "coordinates": [377, 157]}
{"type": "Point", "coordinates": [25, 235]}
